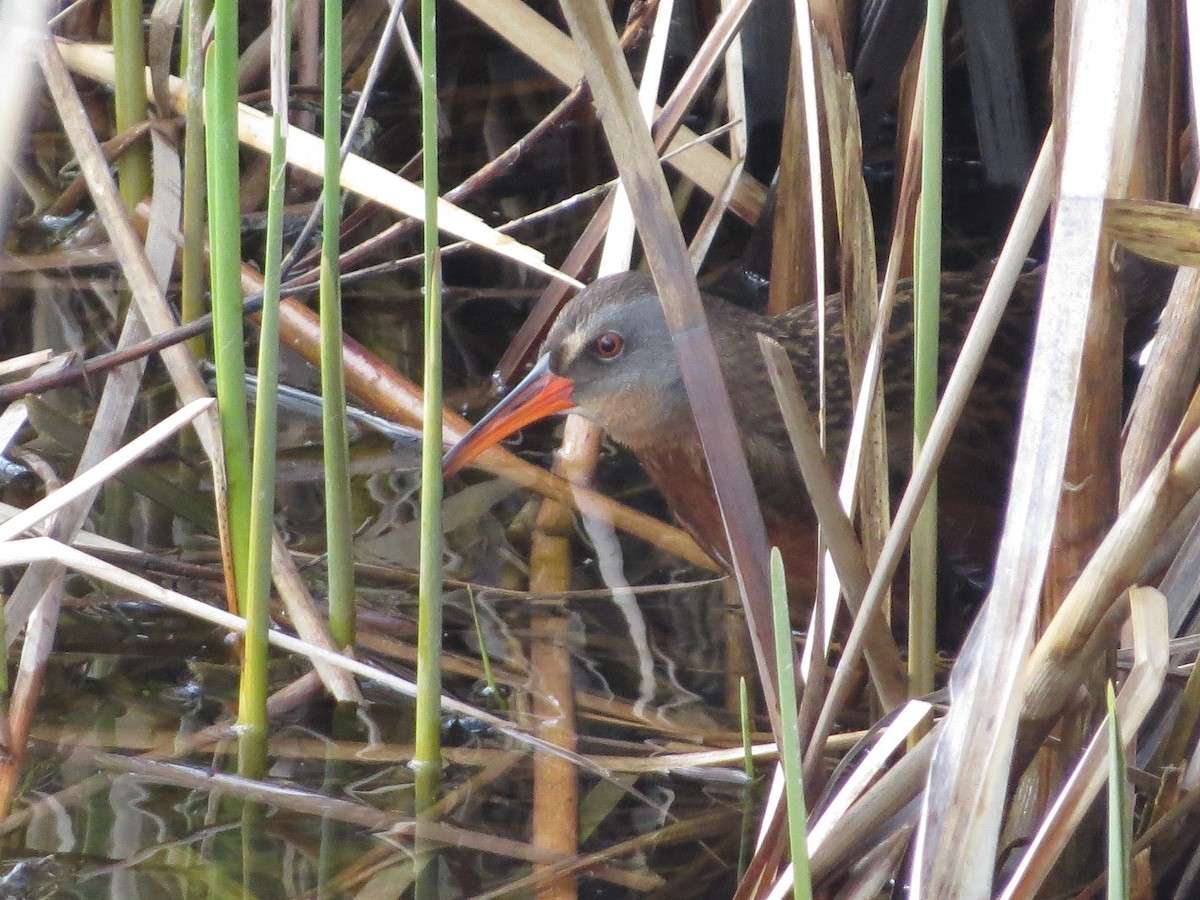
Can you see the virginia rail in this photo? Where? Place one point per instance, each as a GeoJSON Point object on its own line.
{"type": "Point", "coordinates": [609, 358]}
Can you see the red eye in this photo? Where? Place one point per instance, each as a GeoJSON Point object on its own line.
{"type": "Point", "coordinates": [609, 345]}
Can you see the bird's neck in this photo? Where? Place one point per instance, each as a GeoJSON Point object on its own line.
{"type": "Point", "coordinates": [680, 472]}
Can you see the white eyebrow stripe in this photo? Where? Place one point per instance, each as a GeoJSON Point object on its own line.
{"type": "Point", "coordinates": [572, 345]}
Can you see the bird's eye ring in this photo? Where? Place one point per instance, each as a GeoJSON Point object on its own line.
{"type": "Point", "coordinates": [609, 345]}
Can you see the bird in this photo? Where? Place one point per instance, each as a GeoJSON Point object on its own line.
{"type": "Point", "coordinates": [609, 357]}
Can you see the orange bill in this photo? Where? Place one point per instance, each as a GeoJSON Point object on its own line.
{"type": "Point", "coordinates": [541, 393]}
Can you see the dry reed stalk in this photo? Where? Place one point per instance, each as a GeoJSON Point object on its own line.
{"type": "Point", "coordinates": [797, 239]}
{"type": "Point", "coordinates": [860, 300]}
{"type": "Point", "coordinates": [877, 806]}
{"type": "Point", "coordinates": [906, 725]}
{"type": "Point", "coordinates": [883, 657]}
{"type": "Point", "coordinates": [1086, 510]}
{"type": "Point", "coordinates": [555, 788]}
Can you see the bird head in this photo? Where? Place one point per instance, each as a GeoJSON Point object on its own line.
{"type": "Point", "coordinates": [608, 358]}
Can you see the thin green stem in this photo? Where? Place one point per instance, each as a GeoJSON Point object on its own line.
{"type": "Point", "coordinates": [789, 731]}
{"type": "Point", "coordinates": [748, 806]}
{"type": "Point", "coordinates": [256, 604]}
{"type": "Point", "coordinates": [129, 52]}
{"type": "Point", "coordinates": [928, 268]}
{"type": "Point", "coordinates": [224, 234]}
{"type": "Point", "coordinates": [428, 748]}
{"type": "Point", "coordinates": [338, 532]}
{"type": "Point", "coordinates": [495, 702]}
{"type": "Point", "coordinates": [191, 291]}
{"type": "Point", "coordinates": [427, 744]}
{"type": "Point", "coordinates": [1120, 823]}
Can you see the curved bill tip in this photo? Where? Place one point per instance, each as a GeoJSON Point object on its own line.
{"type": "Point", "coordinates": [541, 393]}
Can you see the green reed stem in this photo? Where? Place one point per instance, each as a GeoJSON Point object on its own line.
{"type": "Point", "coordinates": [193, 265]}
{"type": "Point", "coordinates": [256, 606]}
{"type": "Point", "coordinates": [338, 532]}
{"type": "Point", "coordinates": [129, 53]}
{"type": "Point", "coordinates": [789, 730]}
{"type": "Point", "coordinates": [1120, 823]}
{"type": "Point", "coordinates": [495, 701]}
{"type": "Point", "coordinates": [744, 715]}
{"type": "Point", "coordinates": [225, 260]}
{"type": "Point", "coordinates": [748, 807]}
{"type": "Point", "coordinates": [928, 272]}
{"type": "Point", "coordinates": [427, 749]}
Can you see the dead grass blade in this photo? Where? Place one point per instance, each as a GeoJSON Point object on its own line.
{"type": "Point", "coordinates": [707, 231]}
{"type": "Point", "coordinates": [618, 241]}
{"type": "Point", "coordinates": [870, 876]}
{"type": "Point", "coordinates": [308, 621]}
{"type": "Point", "coordinates": [735, 101]}
{"type": "Point", "coordinates": [797, 236]}
{"type": "Point", "coordinates": [879, 804]}
{"type": "Point", "coordinates": [25, 362]}
{"type": "Point", "coordinates": [138, 272]}
{"type": "Point", "coordinates": [860, 303]}
{"type": "Point", "coordinates": [906, 721]}
{"type": "Point", "coordinates": [883, 657]}
{"type": "Point", "coordinates": [41, 585]}
{"type": "Point", "coordinates": [891, 738]}
{"type": "Point", "coordinates": [145, 279]}
{"type": "Point", "coordinates": [991, 309]}
{"type": "Point", "coordinates": [160, 36]}
{"type": "Point", "coordinates": [866, 467]}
